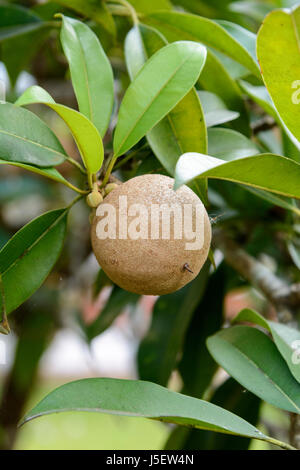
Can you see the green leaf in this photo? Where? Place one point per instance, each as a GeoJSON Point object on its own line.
{"type": "Point", "coordinates": [279, 57]}
{"type": "Point", "coordinates": [196, 366]}
{"type": "Point", "coordinates": [184, 127]}
{"type": "Point", "coordinates": [94, 9]}
{"type": "Point", "coordinates": [162, 82]}
{"type": "Point", "coordinates": [243, 36]}
{"type": "Point", "coordinates": [284, 338]}
{"type": "Point", "coordinates": [86, 136]}
{"type": "Point", "coordinates": [215, 110]}
{"type": "Point", "coordinates": [254, 9]}
{"type": "Point", "coordinates": [266, 171]}
{"type": "Point", "coordinates": [117, 302]}
{"type": "Point", "coordinates": [158, 353]}
{"type": "Point", "coordinates": [231, 396]}
{"type": "Point", "coordinates": [51, 173]}
{"type": "Point", "coordinates": [229, 145]}
{"type": "Point", "coordinates": [253, 360]}
{"type": "Point", "coordinates": [143, 399]}
{"type": "Point", "coordinates": [183, 26]}
{"type": "Point", "coordinates": [144, 6]}
{"type": "Point", "coordinates": [215, 78]}
{"type": "Point", "coordinates": [91, 72]}
{"type": "Point", "coordinates": [260, 95]}
{"type": "Point", "coordinates": [16, 20]}
{"type": "Point", "coordinates": [27, 139]}
{"type": "Point", "coordinates": [29, 256]}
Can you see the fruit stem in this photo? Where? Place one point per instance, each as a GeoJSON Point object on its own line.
{"type": "Point", "coordinates": [77, 165]}
{"type": "Point", "coordinates": [130, 9]}
{"type": "Point", "coordinates": [109, 170]}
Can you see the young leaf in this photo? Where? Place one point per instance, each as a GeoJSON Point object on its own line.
{"type": "Point", "coordinates": [283, 173]}
{"type": "Point", "coordinates": [286, 339]}
{"type": "Point", "coordinates": [16, 20]}
{"type": "Point", "coordinates": [253, 360]}
{"type": "Point", "coordinates": [143, 399]}
{"type": "Point", "coordinates": [279, 57]}
{"type": "Point", "coordinates": [27, 139]}
{"type": "Point", "coordinates": [183, 26]}
{"type": "Point", "coordinates": [184, 126]}
{"type": "Point", "coordinates": [29, 256]}
{"type": "Point", "coordinates": [87, 137]}
{"type": "Point", "coordinates": [172, 313]}
{"type": "Point", "coordinates": [215, 110]}
{"type": "Point", "coordinates": [162, 82]}
{"type": "Point", "coordinates": [91, 72]}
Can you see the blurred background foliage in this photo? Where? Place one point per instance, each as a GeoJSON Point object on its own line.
{"type": "Point", "coordinates": [78, 324]}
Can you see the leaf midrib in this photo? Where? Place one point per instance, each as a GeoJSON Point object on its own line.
{"type": "Point", "coordinates": [152, 102]}
{"type": "Point", "coordinates": [28, 249]}
{"type": "Point", "coordinates": [29, 141]}
{"type": "Point", "coordinates": [262, 372]}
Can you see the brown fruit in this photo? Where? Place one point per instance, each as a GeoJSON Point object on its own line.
{"type": "Point", "coordinates": [150, 266]}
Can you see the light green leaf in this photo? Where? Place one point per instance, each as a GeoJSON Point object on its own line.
{"type": "Point", "coordinates": [252, 358]}
{"type": "Point", "coordinates": [243, 36]}
{"type": "Point", "coordinates": [279, 57]}
{"type": "Point", "coordinates": [215, 110]}
{"type": "Point", "coordinates": [266, 171]}
{"type": "Point", "coordinates": [87, 137]}
{"type": "Point", "coordinates": [27, 139]}
{"type": "Point", "coordinates": [16, 20]}
{"type": "Point", "coordinates": [286, 339]}
{"type": "Point", "coordinates": [229, 145]}
{"type": "Point", "coordinates": [183, 26]}
{"type": "Point", "coordinates": [162, 82]}
{"type": "Point", "coordinates": [91, 72]}
{"type": "Point", "coordinates": [29, 256]}
{"type": "Point", "coordinates": [144, 6]}
{"type": "Point", "coordinates": [254, 9]}
{"type": "Point", "coordinates": [184, 127]}
{"type": "Point", "coordinates": [143, 399]}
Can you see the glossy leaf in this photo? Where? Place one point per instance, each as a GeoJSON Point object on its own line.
{"type": "Point", "coordinates": [184, 127]}
{"type": "Point", "coordinates": [253, 360]}
{"type": "Point", "coordinates": [183, 26]}
{"type": "Point", "coordinates": [29, 256]}
{"type": "Point", "coordinates": [215, 110]}
{"type": "Point", "coordinates": [282, 173]}
{"type": "Point", "coordinates": [162, 82]}
{"type": "Point", "coordinates": [229, 145]}
{"type": "Point", "coordinates": [159, 350]}
{"type": "Point", "coordinates": [91, 72]}
{"type": "Point", "coordinates": [86, 136]}
{"type": "Point", "coordinates": [243, 36]}
{"type": "Point", "coordinates": [144, 399]}
{"type": "Point", "coordinates": [279, 57]}
{"type": "Point", "coordinates": [27, 139]}
{"type": "Point", "coordinates": [286, 339]}
{"type": "Point", "coordinates": [16, 20]}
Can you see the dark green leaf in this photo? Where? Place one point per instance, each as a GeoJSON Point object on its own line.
{"type": "Point", "coordinates": [253, 360]}
{"type": "Point", "coordinates": [15, 20]}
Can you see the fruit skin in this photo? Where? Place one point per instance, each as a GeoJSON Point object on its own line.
{"type": "Point", "coordinates": [150, 267]}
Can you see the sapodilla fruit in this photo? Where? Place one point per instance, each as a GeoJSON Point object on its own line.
{"type": "Point", "coordinates": [146, 265]}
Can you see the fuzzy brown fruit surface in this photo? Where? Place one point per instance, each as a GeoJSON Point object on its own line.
{"type": "Point", "coordinates": [150, 266]}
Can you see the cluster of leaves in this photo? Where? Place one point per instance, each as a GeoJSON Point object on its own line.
{"type": "Point", "coordinates": [193, 109]}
